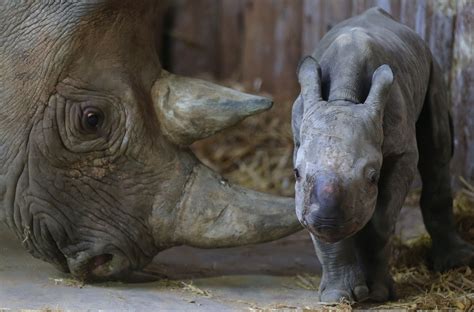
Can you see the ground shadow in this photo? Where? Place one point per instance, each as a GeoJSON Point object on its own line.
{"type": "Point", "coordinates": [288, 256]}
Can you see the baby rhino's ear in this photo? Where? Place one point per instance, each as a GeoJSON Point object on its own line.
{"type": "Point", "coordinates": [309, 77]}
{"type": "Point", "coordinates": [296, 119]}
{"type": "Point", "coordinates": [382, 81]}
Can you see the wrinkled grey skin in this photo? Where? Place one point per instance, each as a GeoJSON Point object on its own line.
{"type": "Point", "coordinates": [96, 175]}
{"type": "Point", "coordinates": [373, 107]}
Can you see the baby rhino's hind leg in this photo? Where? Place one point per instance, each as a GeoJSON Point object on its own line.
{"type": "Point", "coordinates": [434, 138]}
{"type": "Point", "coordinates": [448, 250]}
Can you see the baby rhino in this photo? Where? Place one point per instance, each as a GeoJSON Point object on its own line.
{"type": "Point", "coordinates": [373, 108]}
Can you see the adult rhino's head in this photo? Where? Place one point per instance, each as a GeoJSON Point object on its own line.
{"type": "Point", "coordinates": [338, 154]}
{"type": "Point", "coordinates": [96, 175]}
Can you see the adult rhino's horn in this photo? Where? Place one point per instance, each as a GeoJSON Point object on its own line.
{"type": "Point", "coordinates": [214, 213]}
{"type": "Point", "coordinates": [191, 109]}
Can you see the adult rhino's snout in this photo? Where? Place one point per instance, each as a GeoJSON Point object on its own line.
{"type": "Point", "coordinates": [106, 266]}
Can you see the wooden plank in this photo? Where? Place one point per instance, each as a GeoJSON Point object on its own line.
{"type": "Point", "coordinates": [272, 46]}
{"type": "Point", "coordinates": [408, 8]}
{"type": "Point", "coordinates": [312, 25]}
{"type": "Point", "coordinates": [441, 35]}
{"type": "Point", "coordinates": [287, 47]}
{"type": "Point", "coordinates": [258, 45]}
{"type": "Point", "coordinates": [434, 21]}
{"type": "Point", "coordinates": [193, 45]}
{"type": "Point", "coordinates": [422, 18]}
{"type": "Point", "coordinates": [462, 92]}
{"type": "Point", "coordinates": [391, 6]}
{"type": "Point", "coordinates": [336, 11]}
{"type": "Point", "coordinates": [359, 6]}
{"type": "Point", "coordinates": [160, 28]}
{"type": "Point", "coordinates": [230, 36]}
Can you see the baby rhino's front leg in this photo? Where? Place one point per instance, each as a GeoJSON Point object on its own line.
{"type": "Point", "coordinates": [342, 277]}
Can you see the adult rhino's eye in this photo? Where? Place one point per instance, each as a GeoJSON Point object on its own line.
{"type": "Point", "coordinates": [92, 118]}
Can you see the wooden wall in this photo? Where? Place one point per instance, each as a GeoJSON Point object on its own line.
{"type": "Point", "coordinates": [259, 44]}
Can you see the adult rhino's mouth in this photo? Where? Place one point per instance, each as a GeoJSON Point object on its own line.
{"type": "Point", "coordinates": [86, 258]}
{"type": "Point", "coordinates": [59, 261]}
{"type": "Point", "coordinates": [44, 243]}
{"type": "Point", "coordinates": [86, 265]}
{"type": "Point", "coordinates": [100, 267]}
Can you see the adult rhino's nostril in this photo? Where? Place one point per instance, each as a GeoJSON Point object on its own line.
{"type": "Point", "coordinates": [98, 261]}
{"type": "Point", "coordinates": [105, 266]}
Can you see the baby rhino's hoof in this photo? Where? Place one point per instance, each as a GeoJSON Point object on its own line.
{"type": "Point", "coordinates": [381, 291]}
{"type": "Point", "coordinates": [346, 285]}
{"type": "Point", "coordinates": [358, 293]}
{"type": "Point", "coordinates": [352, 286]}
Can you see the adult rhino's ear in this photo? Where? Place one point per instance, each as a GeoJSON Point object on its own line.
{"type": "Point", "coordinates": [382, 81]}
{"type": "Point", "coordinates": [309, 77]}
{"type": "Point", "coordinates": [191, 109]}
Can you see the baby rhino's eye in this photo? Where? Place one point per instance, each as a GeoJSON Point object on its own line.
{"type": "Point", "coordinates": [297, 173]}
{"type": "Point", "coordinates": [373, 176]}
{"type": "Point", "coordinates": [91, 118]}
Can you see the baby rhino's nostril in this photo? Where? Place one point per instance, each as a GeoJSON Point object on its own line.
{"type": "Point", "coordinates": [328, 189]}
{"type": "Point", "coordinates": [329, 194]}
{"type": "Point", "coordinates": [326, 202]}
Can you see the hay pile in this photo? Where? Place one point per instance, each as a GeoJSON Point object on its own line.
{"type": "Point", "coordinates": [257, 153]}
{"type": "Point", "coordinates": [420, 288]}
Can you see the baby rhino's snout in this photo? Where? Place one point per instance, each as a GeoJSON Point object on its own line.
{"type": "Point", "coordinates": [325, 215]}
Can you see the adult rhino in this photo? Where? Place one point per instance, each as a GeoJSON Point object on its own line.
{"type": "Point", "coordinates": [96, 176]}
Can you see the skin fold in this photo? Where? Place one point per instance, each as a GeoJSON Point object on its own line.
{"type": "Point", "coordinates": [373, 109]}
{"type": "Point", "coordinates": [96, 174]}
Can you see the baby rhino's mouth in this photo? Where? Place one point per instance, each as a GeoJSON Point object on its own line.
{"type": "Point", "coordinates": [332, 231]}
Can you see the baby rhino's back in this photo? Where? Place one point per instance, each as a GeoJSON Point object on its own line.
{"type": "Point", "coordinates": [351, 52]}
